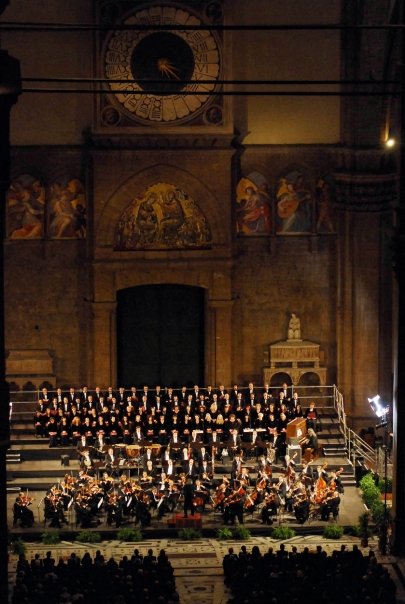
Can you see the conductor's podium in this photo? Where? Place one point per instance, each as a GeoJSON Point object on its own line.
{"type": "Point", "coordinates": [178, 521]}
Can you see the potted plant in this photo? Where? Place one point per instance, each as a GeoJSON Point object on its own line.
{"type": "Point", "coordinates": [282, 533]}
{"type": "Point", "coordinates": [333, 531]}
{"type": "Point", "coordinates": [240, 533]}
{"type": "Point", "coordinates": [224, 533]}
{"type": "Point", "coordinates": [189, 534]}
{"type": "Point", "coordinates": [88, 537]}
{"type": "Point", "coordinates": [129, 534]}
{"type": "Point", "coordinates": [50, 537]}
{"type": "Point", "coordinates": [18, 547]}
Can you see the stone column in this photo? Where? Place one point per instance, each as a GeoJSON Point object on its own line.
{"type": "Point", "coordinates": [9, 91]}
{"type": "Point", "coordinates": [364, 343]}
{"type": "Point", "coordinates": [220, 340]}
{"type": "Point", "coordinates": [104, 344]}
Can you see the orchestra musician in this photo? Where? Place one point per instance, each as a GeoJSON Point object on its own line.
{"type": "Point", "coordinates": [222, 491]}
{"type": "Point", "coordinates": [111, 461]}
{"type": "Point", "coordinates": [234, 442]}
{"type": "Point", "coordinates": [310, 445]}
{"type": "Point", "coordinates": [243, 476]}
{"type": "Point", "coordinates": [54, 507]}
{"type": "Point", "coordinates": [301, 502]}
{"type": "Point", "coordinates": [233, 504]}
{"type": "Point", "coordinates": [330, 505]}
{"type": "Point", "coordinates": [270, 507]}
{"type": "Point", "coordinates": [200, 496]}
{"type": "Point", "coordinates": [21, 511]}
{"type": "Point", "coordinates": [236, 466]}
{"type": "Point", "coordinates": [86, 461]}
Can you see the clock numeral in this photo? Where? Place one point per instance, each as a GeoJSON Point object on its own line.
{"type": "Point", "coordinates": [143, 108]}
{"type": "Point", "coordinates": [169, 111]}
{"type": "Point", "coordinates": [156, 111]}
{"type": "Point", "coordinates": [211, 57]}
{"type": "Point", "coordinates": [194, 102]}
{"type": "Point", "coordinates": [114, 57]}
{"type": "Point", "coordinates": [131, 102]}
{"type": "Point", "coordinates": [119, 43]}
{"type": "Point", "coordinates": [115, 71]}
{"type": "Point", "coordinates": [180, 106]}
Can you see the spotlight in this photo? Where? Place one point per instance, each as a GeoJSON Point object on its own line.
{"type": "Point", "coordinates": [390, 142]}
{"type": "Point", "coordinates": [379, 408]}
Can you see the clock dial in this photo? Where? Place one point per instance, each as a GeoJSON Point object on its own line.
{"type": "Point", "coordinates": [167, 59]}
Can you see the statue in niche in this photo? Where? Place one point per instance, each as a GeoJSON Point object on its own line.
{"type": "Point", "coordinates": [163, 217]}
{"type": "Point", "coordinates": [294, 328]}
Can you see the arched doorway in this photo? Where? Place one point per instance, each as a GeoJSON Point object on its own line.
{"type": "Point", "coordinates": [160, 335]}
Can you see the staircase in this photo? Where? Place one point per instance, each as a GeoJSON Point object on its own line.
{"type": "Point", "coordinates": [331, 442]}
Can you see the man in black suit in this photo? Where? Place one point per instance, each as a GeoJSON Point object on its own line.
{"type": "Point", "coordinates": [190, 468]}
{"type": "Point", "coordinates": [286, 392]}
{"type": "Point", "coordinates": [188, 492]}
{"type": "Point", "coordinates": [234, 442]}
{"type": "Point", "coordinates": [175, 444]}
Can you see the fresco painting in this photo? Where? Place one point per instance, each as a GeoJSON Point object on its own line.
{"type": "Point", "coordinates": [162, 217]}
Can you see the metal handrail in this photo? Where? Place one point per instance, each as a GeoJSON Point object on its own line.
{"type": "Point", "coordinates": [355, 445]}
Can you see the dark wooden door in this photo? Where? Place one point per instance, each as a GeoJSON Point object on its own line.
{"type": "Point", "coordinates": [160, 335]}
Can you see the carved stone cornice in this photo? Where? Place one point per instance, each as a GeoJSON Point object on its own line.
{"type": "Point", "coordinates": [161, 141]}
{"type": "Point", "coordinates": [365, 192]}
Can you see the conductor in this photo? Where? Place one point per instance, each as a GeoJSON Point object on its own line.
{"type": "Point", "coordinates": [188, 492]}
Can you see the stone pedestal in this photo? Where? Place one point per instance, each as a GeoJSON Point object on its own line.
{"type": "Point", "coordinates": [294, 358]}
{"type": "Point", "coordinates": [35, 366]}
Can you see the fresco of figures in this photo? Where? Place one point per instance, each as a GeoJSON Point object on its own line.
{"type": "Point", "coordinates": [293, 205]}
{"type": "Point", "coordinates": [253, 205]}
{"type": "Point", "coordinates": [26, 208]}
{"type": "Point", "coordinates": [162, 217]}
{"type": "Point", "coordinates": [36, 210]}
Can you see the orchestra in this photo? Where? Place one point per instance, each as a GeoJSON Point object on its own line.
{"type": "Point", "coordinates": [170, 439]}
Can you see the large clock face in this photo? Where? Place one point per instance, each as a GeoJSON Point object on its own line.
{"type": "Point", "coordinates": [160, 62]}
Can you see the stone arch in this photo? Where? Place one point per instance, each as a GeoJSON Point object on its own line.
{"type": "Point", "coordinates": [310, 378]}
{"type": "Point", "coordinates": [279, 378]}
{"type": "Point", "coordinates": [215, 212]}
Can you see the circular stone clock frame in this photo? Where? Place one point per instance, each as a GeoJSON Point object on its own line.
{"type": "Point", "coordinates": [166, 59]}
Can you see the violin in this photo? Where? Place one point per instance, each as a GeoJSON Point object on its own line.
{"type": "Point", "coordinates": [25, 500]}
{"type": "Point", "coordinates": [250, 500]}
{"type": "Point", "coordinates": [219, 496]}
{"type": "Point", "coordinates": [236, 496]}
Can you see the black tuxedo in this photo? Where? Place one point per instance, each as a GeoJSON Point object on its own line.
{"type": "Point", "coordinates": [191, 471]}
{"type": "Point", "coordinates": [138, 438]}
{"type": "Point", "coordinates": [234, 442]}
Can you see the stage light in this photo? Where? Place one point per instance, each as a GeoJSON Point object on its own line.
{"type": "Point", "coordinates": [390, 142]}
{"type": "Point", "coordinates": [377, 405]}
